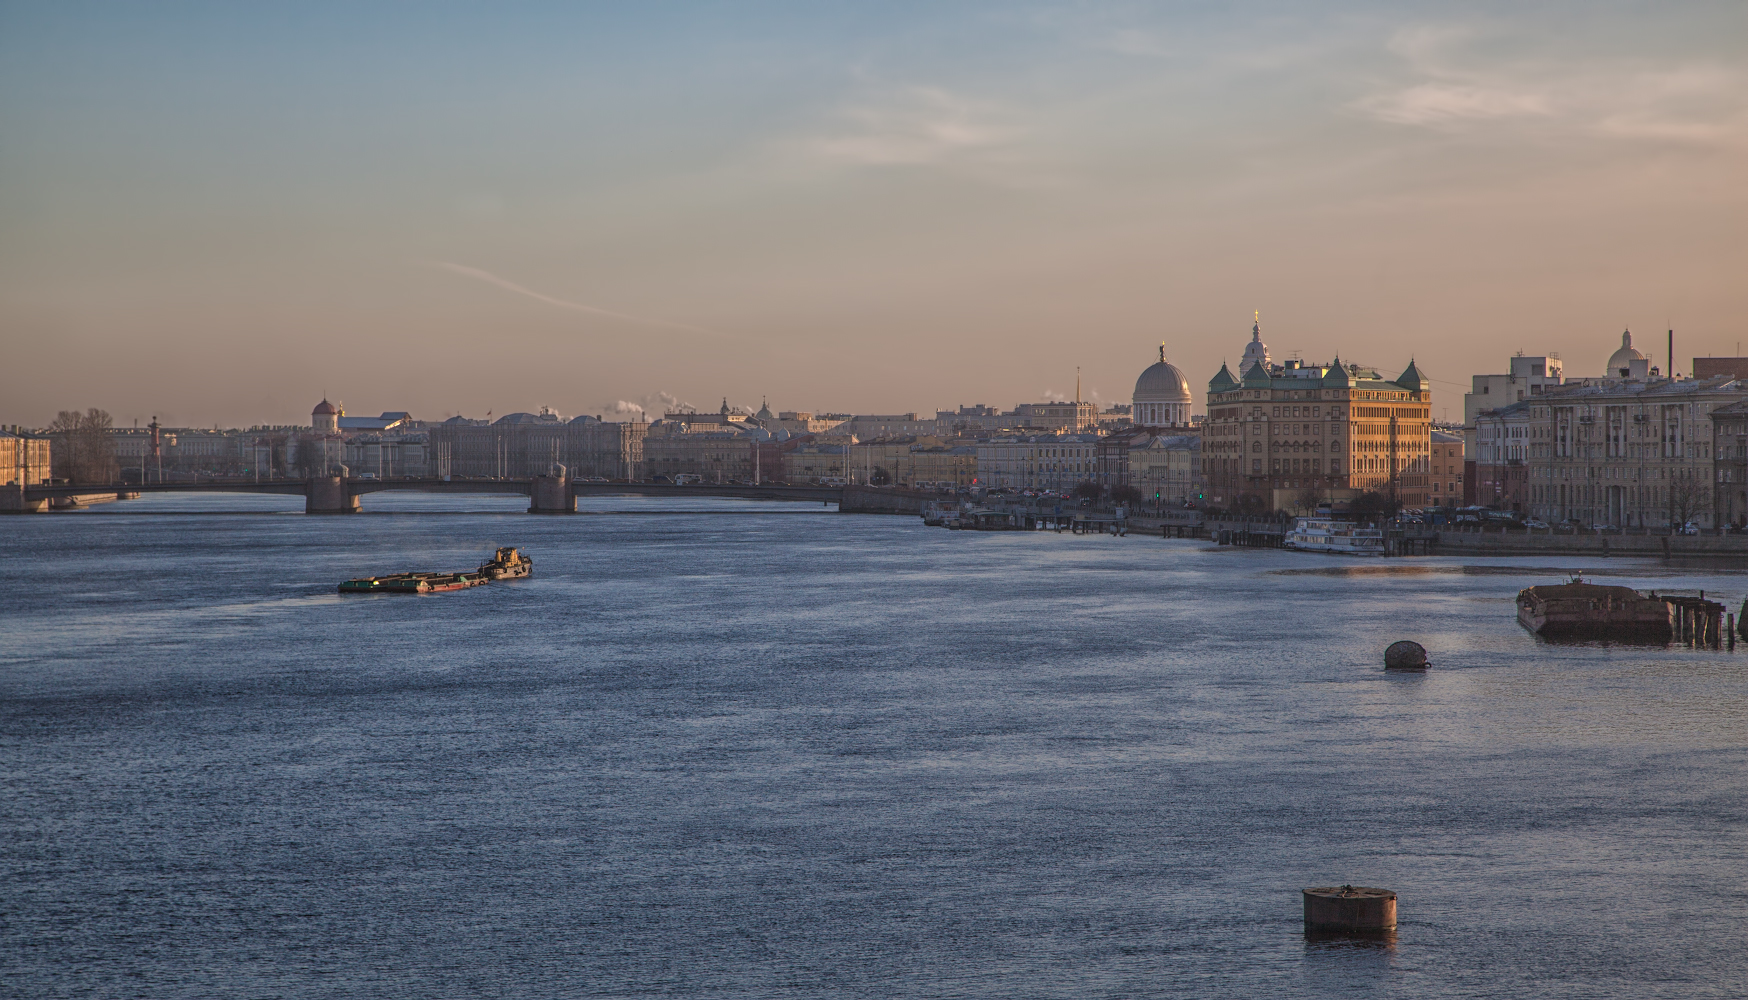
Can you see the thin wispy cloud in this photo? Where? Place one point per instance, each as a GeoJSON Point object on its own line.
{"type": "Point", "coordinates": [1453, 87]}
{"type": "Point", "coordinates": [1443, 103]}
{"type": "Point", "coordinates": [510, 286]}
{"type": "Point", "coordinates": [917, 126]}
{"type": "Point", "coordinates": [1701, 103]}
{"type": "Point", "coordinates": [1457, 85]}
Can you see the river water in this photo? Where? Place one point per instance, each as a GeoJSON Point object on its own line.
{"type": "Point", "coordinates": [721, 749]}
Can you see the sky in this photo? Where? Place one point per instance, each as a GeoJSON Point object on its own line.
{"type": "Point", "coordinates": [219, 213]}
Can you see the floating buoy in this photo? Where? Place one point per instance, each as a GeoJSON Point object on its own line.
{"type": "Point", "coordinates": [1405, 655]}
{"type": "Point", "coordinates": [1349, 909]}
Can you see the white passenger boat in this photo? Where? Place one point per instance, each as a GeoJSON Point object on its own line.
{"type": "Point", "coordinates": [937, 513]}
{"type": "Point", "coordinates": [1322, 534]}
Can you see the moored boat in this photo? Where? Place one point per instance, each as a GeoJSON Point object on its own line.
{"type": "Point", "coordinates": [937, 513]}
{"type": "Point", "coordinates": [1324, 534]}
{"type": "Point", "coordinates": [987, 519]}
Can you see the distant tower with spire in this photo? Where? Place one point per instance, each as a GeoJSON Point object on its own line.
{"type": "Point", "coordinates": [1255, 352]}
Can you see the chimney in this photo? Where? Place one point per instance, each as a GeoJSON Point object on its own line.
{"type": "Point", "coordinates": [1671, 354]}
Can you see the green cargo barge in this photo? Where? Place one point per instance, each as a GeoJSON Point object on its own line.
{"type": "Point", "coordinates": [508, 564]}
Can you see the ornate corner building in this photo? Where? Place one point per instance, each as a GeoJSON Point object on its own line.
{"type": "Point", "coordinates": [1284, 432]}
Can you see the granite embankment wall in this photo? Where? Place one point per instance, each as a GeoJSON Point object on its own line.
{"type": "Point", "coordinates": [884, 500]}
{"type": "Point", "coordinates": [1514, 543]}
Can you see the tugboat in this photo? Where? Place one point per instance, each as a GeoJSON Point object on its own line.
{"type": "Point", "coordinates": [507, 564]}
{"type": "Point", "coordinates": [1579, 610]}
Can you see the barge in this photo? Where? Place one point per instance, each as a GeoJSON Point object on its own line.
{"type": "Point", "coordinates": [1579, 610]}
{"type": "Point", "coordinates": [506, 564]}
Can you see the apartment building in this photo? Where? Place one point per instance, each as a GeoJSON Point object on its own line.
{"type": "Point", "coordinates": [1622, 452]}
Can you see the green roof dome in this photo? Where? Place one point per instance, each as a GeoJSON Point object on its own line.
{"type": "Point", "coordinates": [1222, 381]}
{"type": "Point", "coordinates": [1258, 376]}
{"type": "Point", "coordinates": [1411, 379]}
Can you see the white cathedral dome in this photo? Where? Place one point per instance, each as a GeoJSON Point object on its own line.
{"type": "Point", "coordinates": [1621, 363]}
{"type": "Point", "coordinates": [1162, 395]}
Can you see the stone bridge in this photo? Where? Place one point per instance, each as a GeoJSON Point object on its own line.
{"type": "Point", "coordinates": [546, 494]}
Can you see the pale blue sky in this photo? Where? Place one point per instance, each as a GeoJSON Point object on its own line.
{"type": "Point", "coordinates": [215, 212]}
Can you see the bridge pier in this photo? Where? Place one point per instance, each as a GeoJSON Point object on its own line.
{"type": "Point", "coordinates": [329, 495]}
{"type": "Point", "coordinates": [551, 495]}
{"type": "Point", "coordinates": [13, 501]}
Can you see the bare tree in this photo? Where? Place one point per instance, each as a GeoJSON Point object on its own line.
{"type": "Point", "coordinates": [1306, 500]}
{"type": "Point", "coordinates": [1250, 503]}
{"type": "Point", "coordinates": [83, 451]}
{"type": "Point", "coordinates": [1687, 498]}
{"type": "Point", "coordinates": [1373, 506]}
{"type": "Point", "coordinates": [311, 457]}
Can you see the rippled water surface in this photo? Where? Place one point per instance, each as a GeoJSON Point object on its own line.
{"type": "Point", "coordinates": [721, 749]}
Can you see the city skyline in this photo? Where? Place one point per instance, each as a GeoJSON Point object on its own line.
{"type": "Point", "coordinates": [215, 215]}
{"type": "Point", "coordinates": [654, 407]}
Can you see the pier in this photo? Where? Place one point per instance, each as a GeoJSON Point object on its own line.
{"type": "Point", "coordinates": [1248, 532]}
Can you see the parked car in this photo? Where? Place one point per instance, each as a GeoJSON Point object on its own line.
{"type": "Point", "coordinates": [593, 479]}
{"type": "Point", "coordinates": [687, 479]}
{"type": "Point", "coordinates": [1536, 523]}
{"type": "Point", "coordinates": [658, 478]}
{"type": "Point", "coordinates": [1689, 528]}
